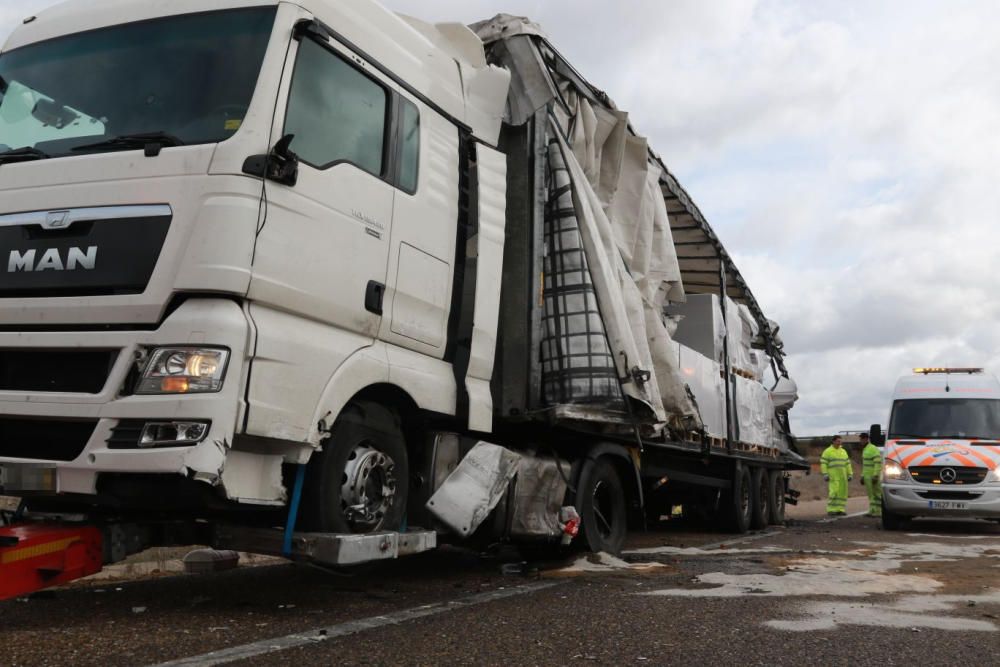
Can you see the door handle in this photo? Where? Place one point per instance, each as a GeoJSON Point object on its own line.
{"type": "Point", "coordinates": [374, 294]}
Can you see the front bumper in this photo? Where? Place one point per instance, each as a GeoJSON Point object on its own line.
{"type": "Point", "coordinates": [980, 501]}
{"type": "Point", "coordinates": [216, 322]}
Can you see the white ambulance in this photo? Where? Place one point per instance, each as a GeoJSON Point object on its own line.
{"type": "Point", "coordinates": [942, 447]}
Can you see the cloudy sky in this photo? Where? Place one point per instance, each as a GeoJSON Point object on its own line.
{"type": "Point", "coordinates": [848, 154]}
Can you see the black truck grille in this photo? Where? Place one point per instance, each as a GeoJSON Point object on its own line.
{"type": "Point", "coordinates": [72, 371]}
{"type": "Point", "coordinates": [932, 474]}
{"type": "Point", "coordinates": [949, 495]}
{"type": "Point", "coordinates": [44, 439]}
{"type": "Point", "coordinates": [126, 433]}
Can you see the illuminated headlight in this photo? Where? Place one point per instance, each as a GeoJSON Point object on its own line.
{"type": "Point", "coordinates": [159, 434]}
{"type": "Point", "coordinates": [183, 370]}
{"type": "Point", "coordinates": [993, 476]}
{"type": "Point", "coordinates": [893, 470]}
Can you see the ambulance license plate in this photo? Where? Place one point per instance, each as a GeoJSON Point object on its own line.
{"type": "Point", "coordinates": [947, 505]}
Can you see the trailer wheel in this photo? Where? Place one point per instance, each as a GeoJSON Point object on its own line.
{"type": "Point", "coordinates": [359, 482]}
{"type": "Point", "coordinates": [760, 489]}
{"type": "Point", "coordinates": [737, 501]}
{"type": "Point", "coordinates": [776, 497]}
{"type": "Point", "coordinates": [600, 498]}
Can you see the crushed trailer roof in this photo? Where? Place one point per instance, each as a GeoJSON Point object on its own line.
{"type": "Point", "coordinates": [700, 253]}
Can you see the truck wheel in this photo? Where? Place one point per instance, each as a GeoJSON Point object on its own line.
{"type": "Point", "coordinates": [776, 497]}
{"type": "Point", "coordinates": [760, 490]}
{"type": "Point", "coordinates": [359, 483]}
{"type": "Point", "coordinates": [737, 502]}
{"type": "Point", "coordinates": [600, 499]}
{"type": "Point", "coordinates": [891, 521]}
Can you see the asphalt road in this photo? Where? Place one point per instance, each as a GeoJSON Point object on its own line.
{"type": "Point", "coordinates": [815, 592]}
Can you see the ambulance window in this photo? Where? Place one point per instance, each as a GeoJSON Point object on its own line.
{"type": "Point", "coordinates": [336, 113]}
{"type": "Point", "coordinates": [410, 154]}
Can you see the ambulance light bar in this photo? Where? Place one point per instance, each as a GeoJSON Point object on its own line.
{"type": "Point", "coordinates": [928, 371]}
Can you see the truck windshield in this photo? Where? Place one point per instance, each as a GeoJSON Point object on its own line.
{"type": "Point", "coordinates": [945, 418]}
{"type": "Point", "coordinates": [188, 78]}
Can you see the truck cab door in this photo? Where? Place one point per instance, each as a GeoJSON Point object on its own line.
{"type": "Point", "coordinates": [319, 266]}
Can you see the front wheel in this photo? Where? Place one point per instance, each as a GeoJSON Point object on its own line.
{"type": "Point", "coordinates": [890, 520]}
{"type": "Point", "coordinates": [358, 484]}
{"type": "Point", "coordinates": [600, 498]}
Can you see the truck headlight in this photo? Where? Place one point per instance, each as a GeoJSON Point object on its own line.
{"type": "Point", "coordinates": [993, 476]}
{"type": "Point", "coordinates": [893, 470]}
{"type": "Point", "coordinates": [183, 370]}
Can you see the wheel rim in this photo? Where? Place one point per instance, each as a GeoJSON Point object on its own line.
{"type": "Point", "coordinates": [603, 505]}
{"type": "Point", "coordinates": [745, 499]}
{"type": "Point", "coordinates": [368, 489]}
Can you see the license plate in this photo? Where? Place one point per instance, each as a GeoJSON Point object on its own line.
{"type": "Point", "coordinates": [947, 505]}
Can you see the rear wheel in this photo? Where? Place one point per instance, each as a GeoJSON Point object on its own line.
{"type": "Point", "coordinates": [600, 498]}
{"type": "Point", "coordinates": [359, 482]}
{"type": "Point", "coordinates": [760, 488]}
{"type": "Point", "coordinates": [890, 520]}
{"type": "Point", "coordinates": [737, 501]}
{"type": "Point", "coordinates": [776, 497]}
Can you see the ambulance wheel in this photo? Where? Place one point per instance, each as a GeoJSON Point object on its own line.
{"type": "Point", "coordinates": [600, 500]}
{"type": "Point", "coordinates": [358, 483]}
{"type": "Point", "coordinates": [759, 483]}
{"type": "Point", "coordinates": [776, 497]}
{"type": "Point", "coordinates": [891, 521]}
{"type": "Point", "coordinates": [737, 502]}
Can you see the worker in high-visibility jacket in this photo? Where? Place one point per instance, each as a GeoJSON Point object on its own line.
{"type": "Point", "coordinates": [837, 470]}
{"type": "Point", "coordinates": [871, 475]}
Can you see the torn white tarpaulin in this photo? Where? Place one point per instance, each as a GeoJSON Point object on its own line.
{"type": "Point", "coordinates": [475, 487]}
{"type": "Point", "coordinates": [634, 324]}
{"type": "Point", "coordinates": [753, 404]}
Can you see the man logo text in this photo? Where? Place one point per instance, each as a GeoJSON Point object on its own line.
{"type": "Point", "coordinates": [51, 260]}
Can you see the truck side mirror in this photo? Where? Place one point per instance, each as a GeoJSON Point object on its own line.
{"type": "Point", "coordinates": [280, 165]}
{"type": "Point", "coordinates": [876, 436]}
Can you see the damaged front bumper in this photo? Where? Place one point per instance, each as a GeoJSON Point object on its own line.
{"type": "Point", "coordinates": [63, 441]}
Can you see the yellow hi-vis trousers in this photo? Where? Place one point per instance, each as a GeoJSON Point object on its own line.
{"type": "Point", "coordinates": [873, 485]}
{"type": "Point", "coordinates": [835, 464]}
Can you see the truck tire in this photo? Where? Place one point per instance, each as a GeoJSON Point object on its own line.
{"type": "Point", "coordinates": [776, 497]}
{"type": "Point", "coordinates": [600, 500]}
{"type": "Point", "coordinates": [760, 492]}
{"type": "Point", "coordinates": [358, 484]}
{"type": "Point", "coordinates": [890, 520]}
{"type": "Point", "coordinates": [736, 502]}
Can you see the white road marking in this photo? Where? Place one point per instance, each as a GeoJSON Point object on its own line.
{"type": "Point", "coordinates": [318, 635]}
{"type": "Point", "coordinates": [830, 519]}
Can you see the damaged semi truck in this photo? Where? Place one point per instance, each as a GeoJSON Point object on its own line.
{"type": "Point", "coordinates": [302, 277]}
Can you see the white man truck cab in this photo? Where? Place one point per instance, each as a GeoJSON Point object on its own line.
{"type": "Point", "coordinates": [942, 446]}
{"type": "Point", "coordinates": [169, 314]}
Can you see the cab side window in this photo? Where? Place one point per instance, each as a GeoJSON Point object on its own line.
{"type": "Point", "coordinates": [336, 113]}
{"type": "Point", "coordinates": [410, 152]}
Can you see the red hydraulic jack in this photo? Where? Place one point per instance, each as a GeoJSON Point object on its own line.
{"type": "Point", "coordinates": [34, 556]}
